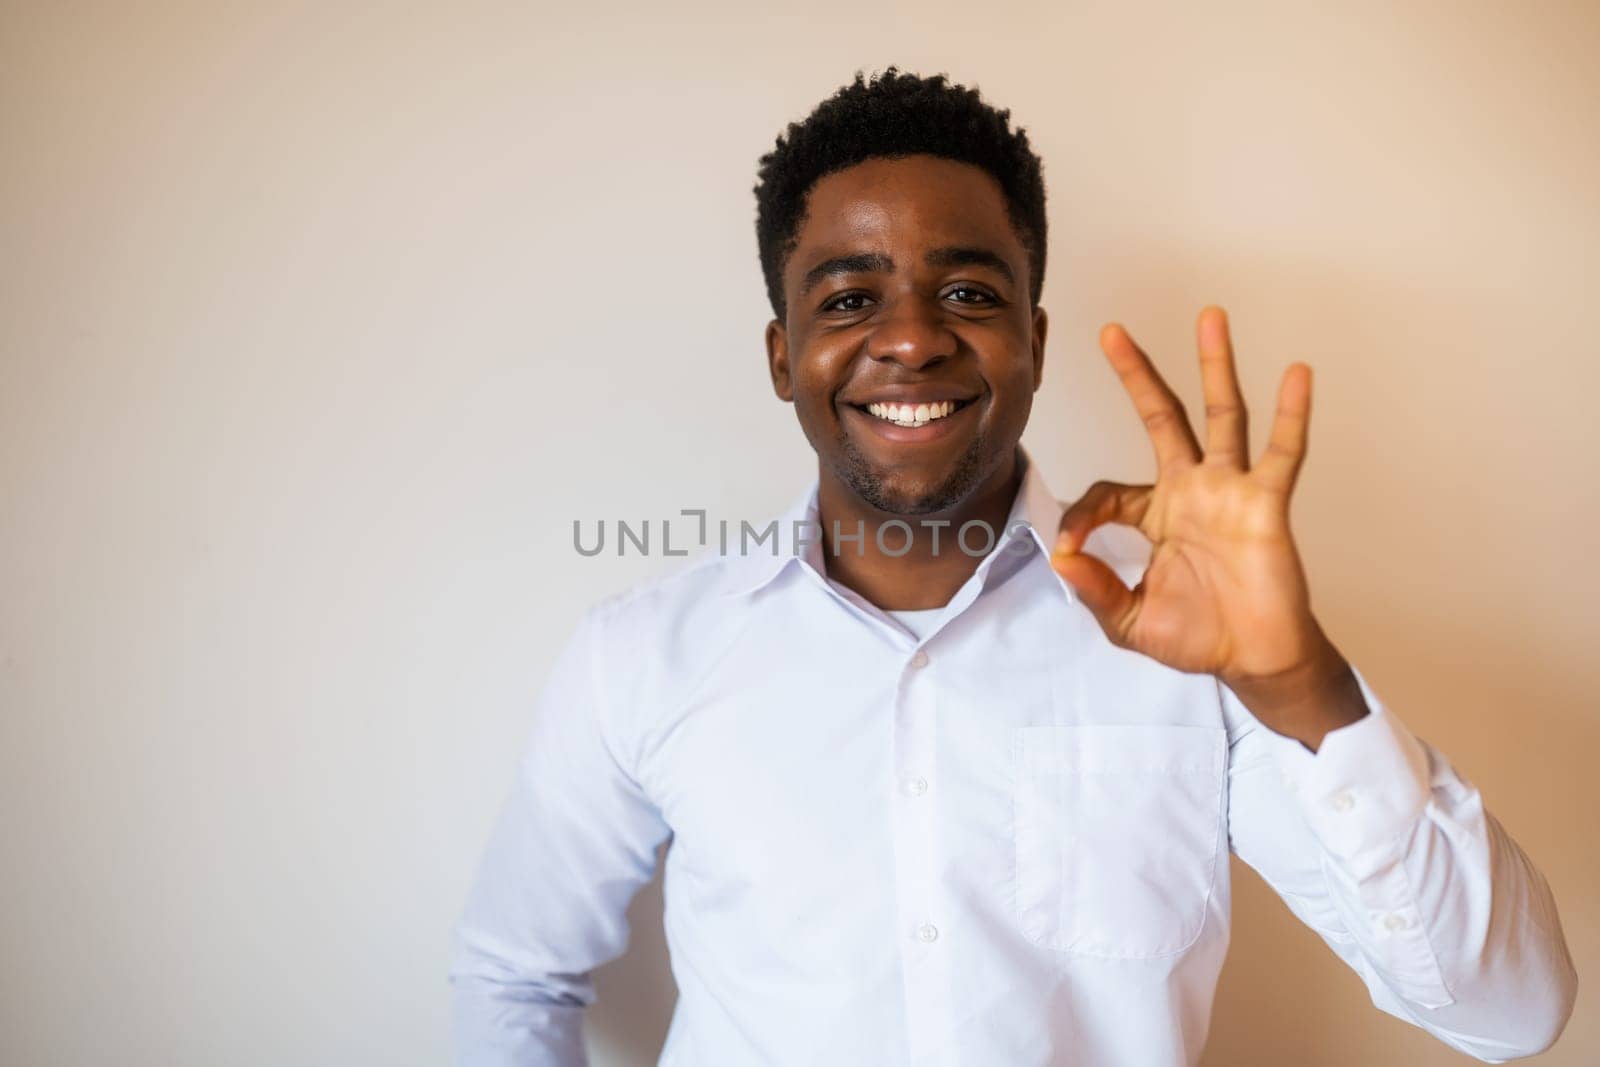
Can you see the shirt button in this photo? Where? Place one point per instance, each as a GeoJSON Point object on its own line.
{"type": "Point", "coordinates": [916, 786]}
{"type": "Point", "coordinates": [1342, 800]}
{"type": "Point", "coordinates": [927, 932]}
{"type": "Point", "coordinates": [920, 659]}
{"type": "Point", "coordinates": [1395, 921]}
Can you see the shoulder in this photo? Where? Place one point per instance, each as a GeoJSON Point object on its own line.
{"type": "Point", "coordinates": [656, 636]}
{"type": "Point", "coordinates": [667, 602]}
{"type": "Point", "coordinates": [650, 644]}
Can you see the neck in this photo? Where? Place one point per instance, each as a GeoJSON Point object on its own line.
{"type": "Point", "coordinates": [920, 577]}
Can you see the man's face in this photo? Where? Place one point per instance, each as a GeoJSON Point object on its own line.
{"type": "Point", "coordinates": [911, 349]}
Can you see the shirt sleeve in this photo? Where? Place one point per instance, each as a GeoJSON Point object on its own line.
{"type": "Point", "coordinates": [1377, 844]}
{"type": "Point", "coordinates": [572, 845]}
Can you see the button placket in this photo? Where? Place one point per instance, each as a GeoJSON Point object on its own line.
{"type": "Point", "coordinates": [924, 955]}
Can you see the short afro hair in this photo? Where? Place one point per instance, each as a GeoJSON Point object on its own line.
{"type": "Point", "coordinates": [891, 115]}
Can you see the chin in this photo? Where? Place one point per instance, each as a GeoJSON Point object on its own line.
{"type": "Point", "coordinates": [903, 493]}
{"type": "Point", "coordinates": [897, 499]}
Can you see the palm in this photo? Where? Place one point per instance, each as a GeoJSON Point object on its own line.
{"type": "Point", "coordinates": [1224, 592]}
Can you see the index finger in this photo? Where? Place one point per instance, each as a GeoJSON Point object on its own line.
{"type": "Point", "coordinates": [1159, 407]}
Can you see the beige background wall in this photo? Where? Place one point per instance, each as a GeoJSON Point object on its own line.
{"type": "Point", "coordinates": [318, 328]}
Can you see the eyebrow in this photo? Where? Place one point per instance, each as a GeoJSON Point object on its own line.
{"type": "Point", "coordinates": [878, 263]}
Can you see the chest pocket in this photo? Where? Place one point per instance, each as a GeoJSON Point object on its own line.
{"type": "Point", "coordinates": [1116, 831]}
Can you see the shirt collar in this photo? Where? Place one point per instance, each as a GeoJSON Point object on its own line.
{"type": "Point", "coordinates": [1035, 514]}
{"type": "Point", "coordinates": [797, 531]}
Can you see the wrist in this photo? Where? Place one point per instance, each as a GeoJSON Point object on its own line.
{"type": "Point", "coordinates": [1307, 701]}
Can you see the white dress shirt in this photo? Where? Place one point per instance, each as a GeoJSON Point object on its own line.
{"type": "Point", "coordinates": [1001, 844]}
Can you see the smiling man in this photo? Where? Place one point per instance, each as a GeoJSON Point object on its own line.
{"type": "Point", "coordinates": [952, 774]}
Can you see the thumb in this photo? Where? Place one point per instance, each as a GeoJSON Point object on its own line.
{"type": "Point", "coordinates": [1113, 605]}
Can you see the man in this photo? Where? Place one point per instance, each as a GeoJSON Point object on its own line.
{"type": "Point", "coordinates": [941, 787]}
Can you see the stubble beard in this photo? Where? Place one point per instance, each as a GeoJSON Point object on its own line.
{"type": "Point", "coordinates": [867, 481]}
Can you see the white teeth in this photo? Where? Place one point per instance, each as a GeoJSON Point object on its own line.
{"type": "Point", "coordinates": [912, 414]}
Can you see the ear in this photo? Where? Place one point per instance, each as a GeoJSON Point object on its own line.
{"type": "Point", "coordinates": [778, 360]}
{"type": "Point", "coordinates": [1041, 324]}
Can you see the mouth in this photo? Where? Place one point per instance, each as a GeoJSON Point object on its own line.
{"type": "Point", "coordinates": [913, 414]}
{"type": "Point", "coordinates": [906, 422]}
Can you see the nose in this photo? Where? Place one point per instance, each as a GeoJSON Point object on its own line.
{"type": "Point", "coordinates": [913, 334]}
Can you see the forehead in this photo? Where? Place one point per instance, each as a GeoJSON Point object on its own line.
{"type": "Point", "coordinates": [912, 202]}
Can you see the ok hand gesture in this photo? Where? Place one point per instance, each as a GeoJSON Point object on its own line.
{"type": "Point", "coordinates": [1225, 592]}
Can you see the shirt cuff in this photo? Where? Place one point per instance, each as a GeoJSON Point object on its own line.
{"type": "Point", "coordinates": [1365, 787]}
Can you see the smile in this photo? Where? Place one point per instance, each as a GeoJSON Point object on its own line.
{"type": "Point", "coordinates": [914, 414]}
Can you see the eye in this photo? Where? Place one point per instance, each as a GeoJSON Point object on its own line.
{"type": "Point", "coordinates": [984, 296]}
{"type": "Point", "coordinates": [838, 303]}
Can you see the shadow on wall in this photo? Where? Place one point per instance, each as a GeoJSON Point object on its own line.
{"type": "Point", "coordinates": [1463, 623]}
